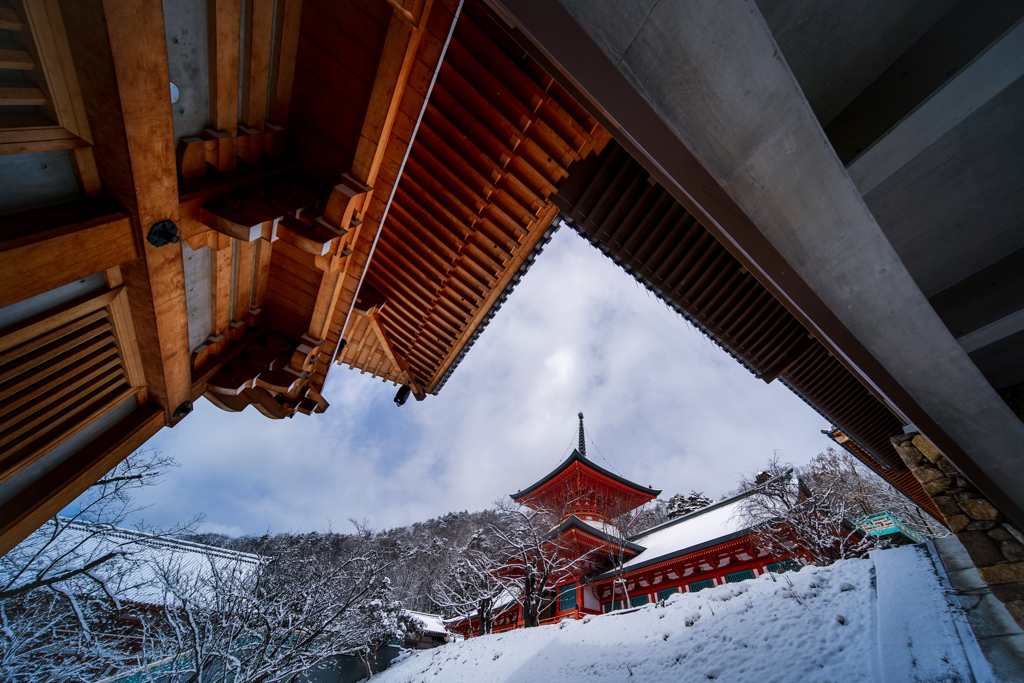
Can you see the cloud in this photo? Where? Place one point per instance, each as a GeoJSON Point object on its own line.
{"type": "Point", "coordinates": [664, 406]}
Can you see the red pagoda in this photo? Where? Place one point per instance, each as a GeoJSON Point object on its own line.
{"type": "Point", "coordinates": [706, 548]}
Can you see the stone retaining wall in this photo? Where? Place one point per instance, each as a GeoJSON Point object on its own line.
{"type": "Point", "coordinates": [996, 546]}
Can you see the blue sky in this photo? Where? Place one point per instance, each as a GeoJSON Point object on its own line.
{"type": "Point", "coordinates": [664, 406]}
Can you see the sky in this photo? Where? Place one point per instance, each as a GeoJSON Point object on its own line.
{"type": "Point", "coordinates": [663, 407]}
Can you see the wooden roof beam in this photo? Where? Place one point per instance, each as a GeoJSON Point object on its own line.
{"type": "Point", "coordinates": [505, 278]}
{"type": "Point", "coordinates": [122, 65]}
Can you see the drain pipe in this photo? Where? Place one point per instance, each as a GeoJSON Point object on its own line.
{"type": "Point", "coordinates": [401, 170]}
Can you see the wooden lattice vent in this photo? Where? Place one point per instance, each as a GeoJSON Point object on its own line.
{"type": "Point", "coordinates": [61, 372]}
{"type": "Point", "coordinates": [40, 104]}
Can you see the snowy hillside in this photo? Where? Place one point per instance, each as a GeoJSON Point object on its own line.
{"type": "Point", "coordinates": [821, 624]}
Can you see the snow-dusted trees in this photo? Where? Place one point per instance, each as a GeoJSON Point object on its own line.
{"type": "Point", "coordinates": [469, 584]}
{"type": "Point", "coordinates": [865, 491]}
{"type": "Point", "coordinates": [680, 505]}
{"type": "Point", "coordinates": [273, 621]}
{"type": "Point", "coordinates": [819, 502]}
{"type": "Point", "coordinates": [61, 590]}
{"type": "Point", "coordinates": [792, 518]}
{"type": "Point", "coordinates": [537, 558]}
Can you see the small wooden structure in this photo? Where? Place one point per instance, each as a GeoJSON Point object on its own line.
{"type": "Point", "coordinates": [887, 526]}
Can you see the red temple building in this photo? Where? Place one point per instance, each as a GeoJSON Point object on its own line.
{"type": "Point", "coordinates": [619, 570]}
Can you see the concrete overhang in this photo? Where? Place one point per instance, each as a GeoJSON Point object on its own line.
{"type": "Point", "coordinates": [700, 93]}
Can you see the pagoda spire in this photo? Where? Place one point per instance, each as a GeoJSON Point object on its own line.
{"type": "Point", "coordinates": [583, 446]}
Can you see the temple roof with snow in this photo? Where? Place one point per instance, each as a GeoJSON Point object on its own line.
{"type": "Point", "coordinates": [708, 527]}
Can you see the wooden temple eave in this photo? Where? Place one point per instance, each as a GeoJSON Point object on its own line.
{"type": "Point", "coordinates": [473, 231]}
{"type": "Point", "coordinates": [365, 197]}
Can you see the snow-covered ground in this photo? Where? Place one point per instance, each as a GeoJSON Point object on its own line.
{"type": "Point", "coordinates": [820, 624]}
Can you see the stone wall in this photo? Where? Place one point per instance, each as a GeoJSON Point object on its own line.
{"type": "Point", "coordinates": [996, 546]}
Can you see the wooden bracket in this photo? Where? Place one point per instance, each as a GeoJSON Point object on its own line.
{"type": "Point", "coordinates": [345, 200]}
{"type": "Point", "coordinates": [238, 223]}
{"type": "Point", "coordinates": [220, 149]}
{"type": "Point", "coordinates": [191, 158]}
{"type": "Point", "coordinates": [397, 360]}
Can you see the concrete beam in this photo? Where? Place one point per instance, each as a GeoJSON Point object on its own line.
{"type": "Point", "coordinates": [984, 78]}
{"type": "Point", "coordinates": [709, 71]}
{"type": "Point", "coordinates": [993, 332]}
{"type": "Point", "coordinates": [976, 307]}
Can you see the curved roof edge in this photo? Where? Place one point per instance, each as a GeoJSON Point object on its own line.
{"type": "Point", "coordinates": [671, 556]}
{"type": "Point", "coordinates": [576, 457]}
{"type": "Point", "coordinates": [574, 522]}
{"type": "Point", "coordinates": [696, 513]}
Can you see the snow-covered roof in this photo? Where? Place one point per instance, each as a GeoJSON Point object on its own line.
{"type": "Point", "coordinates": [603, 527]}
{"type": "Point", "coordinates": [704, 528]}
{"type": "Point", "coordinates": [430, 623]}
{"type": "Point", "coordinates": [504, 600]}
{"type": "Point", "coordinates": [134, 576]}
{"type": "Point", "coordinates": [599, 530]}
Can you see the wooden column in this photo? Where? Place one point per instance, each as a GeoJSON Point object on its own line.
{"type": "Point", "coordinates": [120, 54]}
{"type": "Point", "coordinates": [223, 22]}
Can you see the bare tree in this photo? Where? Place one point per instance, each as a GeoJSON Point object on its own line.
{"type": "Point", "coordinates": [792, 518]}
{"type": "Point", "coordinates": [470, 584]}
{"type": "Point", "coordinates": [61, 611]}
{"type": "Point", "coordinates": [866, 492]}
{"type": "Point", "coordinates": [626, 521]}
{"type": "Point", "coordinates": [273, 622]}
{"type": "Point", "coordinates": [537, 558]}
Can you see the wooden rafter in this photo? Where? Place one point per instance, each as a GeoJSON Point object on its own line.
{"type": "Point", "coordinates": [389, 351]}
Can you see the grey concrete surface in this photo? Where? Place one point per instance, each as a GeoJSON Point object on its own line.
{"type": "Point", "coordinates": [40, 303]}
{"type": "Point", "coordinates": [188, 64]}
{"type": "Point", "coordinates": [836, 48]}
{"type": "Point", "coordinates": [986, 77]}
{"type": "Point", "coordinates": [198, 281]}
{"type": "Point", "coordinates": [958, 206]}
{"type": "Point", "coordinates": [983, 298]}
{"type": "Point", "coordinates": [1002, 361]}
{"type": "Point", "coordinates": [28, 181]}
{"type": "Point", "coordinates": [712, 70]}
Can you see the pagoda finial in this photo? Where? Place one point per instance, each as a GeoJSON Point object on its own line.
{"type": "Point", "coordinates": [583, 445]}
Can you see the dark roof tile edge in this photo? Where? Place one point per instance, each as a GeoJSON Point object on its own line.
{"type": "Point", "coordinates": [577, 457]}
{"type": "Point", "coordinates": [523, 268]}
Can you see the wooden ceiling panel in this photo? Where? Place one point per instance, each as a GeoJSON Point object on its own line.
{"type": "Point", "coordinates": [339, 48]}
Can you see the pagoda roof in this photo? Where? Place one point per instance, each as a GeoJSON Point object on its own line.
{"type": "Point", "coordinates": [574, 522]}
{"type": "Point", "coordinates": [577, 457]}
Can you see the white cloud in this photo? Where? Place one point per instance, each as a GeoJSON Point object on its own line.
{"type": "Point", "coordinates": [664, 405]}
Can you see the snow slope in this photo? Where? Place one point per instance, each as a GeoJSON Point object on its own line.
{"type": "Point", "coordinates": [820, 624]}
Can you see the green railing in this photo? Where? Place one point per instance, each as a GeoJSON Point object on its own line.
{"type": "Point", "coordinates": [884, 523]}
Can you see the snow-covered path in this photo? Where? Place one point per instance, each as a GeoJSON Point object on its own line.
{"type": "Point", "coordinates": [821, 624]}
